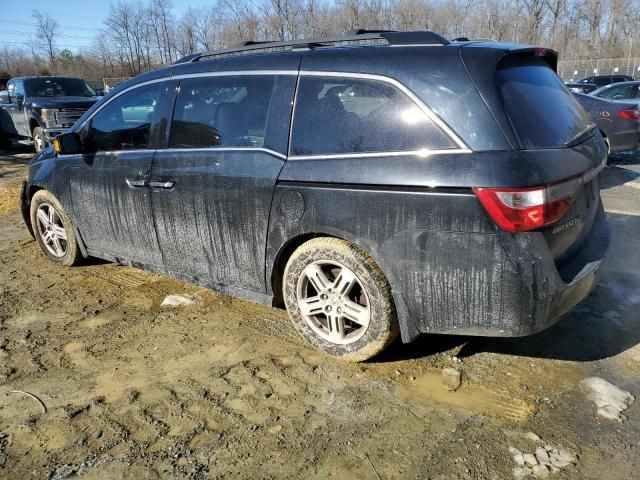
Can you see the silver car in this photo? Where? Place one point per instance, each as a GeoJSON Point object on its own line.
{"type": "Point", "coordinates": [619, 91]}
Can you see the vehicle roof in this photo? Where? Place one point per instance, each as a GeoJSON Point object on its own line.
{"type": "Point", "coordinates": [284, 59]}
{"type": "Point", "coordinates": [611, 75]}
{"type": "Point", "coordinates": [44, 76]}
{"type": "Point", "coordinates": [617, 84]}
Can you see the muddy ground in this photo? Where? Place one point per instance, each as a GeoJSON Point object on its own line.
{"type": "Point", "coordinates": [225, 388]}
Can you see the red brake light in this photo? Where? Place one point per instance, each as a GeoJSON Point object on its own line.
{"type": "Point", "coordinates": [523, 209]}
{"type": "Point", "coordinates": [631, 114]}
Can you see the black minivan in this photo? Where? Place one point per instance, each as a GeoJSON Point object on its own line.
{"type": "Point", "coordinates": [374, 184]}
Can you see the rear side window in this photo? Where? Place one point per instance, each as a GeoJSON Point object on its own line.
{"type": "Point", "coordinates": [335, 115]}
{"type": "Point", "coordinates": [542, 111]}
{"type": "Point", "coordinates": [222, 112]}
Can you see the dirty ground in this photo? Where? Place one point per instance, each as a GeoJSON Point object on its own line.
{"type": "Point", "coordinates": [118, 386]}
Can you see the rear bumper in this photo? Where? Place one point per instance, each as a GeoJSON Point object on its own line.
{"type": "Point", "coordinates": [572, 282]}
{"type": "Point", "coordinates": [499, 285]}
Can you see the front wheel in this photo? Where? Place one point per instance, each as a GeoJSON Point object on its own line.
{"type": "Point", "coordinates": [339, 299]}
{"type": "Point", "coordinates": [39, 141]}
{"type": "Point", "coordinates": [53, 229]}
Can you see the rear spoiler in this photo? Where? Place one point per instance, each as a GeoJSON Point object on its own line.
{"type": "Point", "coordinates": [546, 54]}
{"type": "Point", "coordinates": [500, 51]}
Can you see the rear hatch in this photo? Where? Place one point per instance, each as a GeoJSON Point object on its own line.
{"type": "Point", "coordinates": [541, 117]}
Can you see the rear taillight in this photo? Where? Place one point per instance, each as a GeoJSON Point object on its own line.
{"type": "Point", "coordinates": [630, 114]}
{"type": "Point", "coordinates": [523, 209]}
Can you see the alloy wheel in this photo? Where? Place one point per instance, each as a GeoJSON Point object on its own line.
{"type": "Point", "coordinates": [51, 230]}
{"type": "Point", "coordinates": [333, 302]}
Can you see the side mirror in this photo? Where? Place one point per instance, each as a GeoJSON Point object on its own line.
{"type": "Point", "coordinates": [67, 144]}
{"type": "Point", "coordinates": [4, 97]}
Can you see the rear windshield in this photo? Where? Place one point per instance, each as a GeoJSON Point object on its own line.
{"type": "Point", "coordinates": [542, 111]}
{"type": "Point", "coordinates": [59, 87]}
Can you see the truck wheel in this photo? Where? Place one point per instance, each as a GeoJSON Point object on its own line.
{"type": "Point", "coordinates": [339, 299]}
{"type": "Point", "coordinates": [53, 229]}
{"type": "Point", "coordinates": [39, 142]}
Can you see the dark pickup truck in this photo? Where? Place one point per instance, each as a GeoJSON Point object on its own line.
{"type": "Point", "coordinates": [38, 109]}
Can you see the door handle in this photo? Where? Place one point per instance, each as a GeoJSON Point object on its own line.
{"type": "Point", "coordinates": [136, 182]}
{"type": "Point", "coordinates": [162, 184]}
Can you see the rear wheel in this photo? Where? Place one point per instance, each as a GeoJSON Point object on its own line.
{"type": "Point", "coordinates": [339, 299]}
{"type": "Point", "coordinates": [53, 229]}
{"type": "Point", "coordinates": [39, 141]}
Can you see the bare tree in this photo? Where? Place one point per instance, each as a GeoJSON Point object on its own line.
{"type": "Point", "coordinates": [46, 31]}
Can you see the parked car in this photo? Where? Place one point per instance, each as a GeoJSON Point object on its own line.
{"type": "Point", "coordinates": [618, 122]}
{"type": "Point", "coordinates": [590, 84]}
{"type": "Point", "coordinates": [582, 87]}
{"type": "Point", "coordinates": [602, 80]}
{"type": "Point", "coordinates": [619, 91]}
{"type": "Point", "coordinates": [410, 185]}
{"type": "Point", "coordinates": [39, 108]}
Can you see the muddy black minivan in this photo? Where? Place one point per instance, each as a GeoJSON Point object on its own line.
{"type": "Point", "coordinates": [374, 184]}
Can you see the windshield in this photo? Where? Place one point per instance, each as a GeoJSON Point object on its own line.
{"type": "Point", "coordinates": [59, 87]}
{"type": "Point", "coordinates": [542, 110]}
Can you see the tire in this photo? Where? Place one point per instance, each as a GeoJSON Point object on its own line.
{"type": "Point", "coordinates": [39, 142]}
{"type": "Point", "coordinates": [55, 236]}
{"type": "Point", "coordinates": [335, 297]}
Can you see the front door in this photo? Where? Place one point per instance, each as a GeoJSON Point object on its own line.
{"type": "Point", "coordinates": [16, 107]}
{"type": "Point", "coordinates": [110, 186]}
{"type": "Point", "coordinates": [212, 185]}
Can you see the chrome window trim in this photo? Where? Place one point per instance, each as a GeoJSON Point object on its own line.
{"type": "Point", "coordinates": [235, 73]}
{"type": "Point", "coordinates": [425, 152]}
{"type": "Point", "coordinates": [225, 149]}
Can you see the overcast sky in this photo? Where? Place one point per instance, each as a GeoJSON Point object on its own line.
{"type": "Point", "coordinates": [79, 20]}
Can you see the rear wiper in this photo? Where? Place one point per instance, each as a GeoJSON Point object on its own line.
{"type": "Point", "coordinates": [574, 140]}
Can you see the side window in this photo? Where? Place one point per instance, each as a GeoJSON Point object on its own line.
{"type": "Point", "coordinates": [347, 115]}
{"type": "Point", "coordinates": [618, 92]}
{"type": "Point", "coordinates": [11, 88]}
{"type": "Point", "coordinates": [222, 112]}
{"type": "Point", "coordinates": [125, 122]}
{"type": "Point", "coordinates": [19, 86]}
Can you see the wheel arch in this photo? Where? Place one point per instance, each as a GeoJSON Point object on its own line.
{"type": "Point", "coordinates": [408, 330]}
{"type": "Point", "coordinates": [281, 259]}
{"type": "Point", "coordinates": [29, 192]}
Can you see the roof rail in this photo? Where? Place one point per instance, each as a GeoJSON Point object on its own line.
{"type": "Point", "coordinates": [423, 37]}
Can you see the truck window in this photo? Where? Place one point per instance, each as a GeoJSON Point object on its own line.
{"type": "Point", "coordinates": [59, 87]}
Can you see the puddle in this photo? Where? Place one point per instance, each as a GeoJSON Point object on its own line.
{"type": "Point", "coordinates": [428, 391]}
